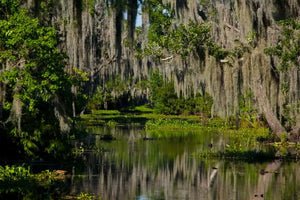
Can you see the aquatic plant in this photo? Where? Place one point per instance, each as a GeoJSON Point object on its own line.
{"type": "Point", "coordinates": [239, 154]}
{"type": "Point", "coordinates": [186, 123]}
{"type": "Point", "coordinates": [111, 123]}
{"type": "Point", "coordinates": [106, 112]}
{"type": "Point", "coordinates": [87, 196]}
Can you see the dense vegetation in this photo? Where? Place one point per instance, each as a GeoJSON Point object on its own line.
{"type": "Point", "coordinates": [161, 93]}
{"type": "Point", "coordinates": [287, 51]}
{"type": "Point", "coordinates": [40, 95]}
{"type": "Point", "coordinates": [33, 113]}
{"type": "Point", "coordinates": [167, 39]}
{"type": "Point", "coordinates": [36, 99]}
{"type": "Point", "coordinates": [17, 182]}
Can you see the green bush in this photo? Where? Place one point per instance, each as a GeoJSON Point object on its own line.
{"type": "Point", "coordinates": [165, 101]}
{"type": "Point", "coordinates": [16, 182]}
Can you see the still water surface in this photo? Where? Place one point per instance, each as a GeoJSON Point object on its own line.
{"type": "Point", "coordinates": [133, 168]}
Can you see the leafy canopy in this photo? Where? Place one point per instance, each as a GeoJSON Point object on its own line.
{"type": "Point", "coordinates": [166, 38]}
{"type": "Point", "coordinates": [287, 48]}
{"type": "Point", "coordinates": [33, 72]}
{"type": "Point", "coordinates": [32, 60]}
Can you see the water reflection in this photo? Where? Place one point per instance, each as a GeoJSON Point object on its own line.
{"type": "Point", "coordinates": [132, 168]}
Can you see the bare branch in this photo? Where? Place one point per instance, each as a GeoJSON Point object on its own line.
{"type": "Point", "coordinates": [167, 58]}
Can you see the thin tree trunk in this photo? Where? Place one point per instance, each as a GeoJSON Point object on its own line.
{"type": "Point", "coordinates": [15, 115]}
{"type": "Point", "coordinates": [61, 115]}
{"type": "Point", "coordinates": [74, 91]}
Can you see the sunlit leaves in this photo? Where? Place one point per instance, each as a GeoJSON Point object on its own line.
{"type": "Point", "coordinates": [33, 73]}
{"type": "Point", "coordinates": [166, 38]}
{"type": "Point", "coordinates": [186, 38]}
{"type": "Point", "coordinates": [288, 47]}
{"type": "Point", "coordinates": [36, 65]}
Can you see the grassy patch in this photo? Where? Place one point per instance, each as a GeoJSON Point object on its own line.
{"type": "Point", "coordinates": [142, 109]}
{"type": "Point", "coordinates": [186, 123]}
{"type": "Point", "coordinates": [106, 112]}
{"type": "Point", "coordinates": [171, 124]}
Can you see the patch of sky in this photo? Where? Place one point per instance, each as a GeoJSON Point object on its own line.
{"type": "Point", "coordinates": [139, 17]}
{"type": "Point", "coordinates": [138, 21]}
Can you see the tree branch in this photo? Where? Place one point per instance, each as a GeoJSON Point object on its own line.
{"type": "Point", "coordinates": [112, 60]}
{"type": "Point", "coordinates": [167, 58]}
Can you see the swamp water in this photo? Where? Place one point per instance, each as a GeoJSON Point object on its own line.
{"type": "Point", "coordinates": [132, 167]}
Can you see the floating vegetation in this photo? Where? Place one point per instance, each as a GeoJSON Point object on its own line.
{"type": "Point", "coordinates": [243, 155]}
{"type": "Point", "coordinates": [87, 196]}
{"type": "Point", "coordinates": [180, 124]}
{"type": "Point", "coordinates": [111, 123]}
{"type": "Point", "coordinates": [106, 112]}
{"type": "Point", "coordinates": [171, 124]}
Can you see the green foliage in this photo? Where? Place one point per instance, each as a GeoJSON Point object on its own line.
{"type": "Point", "coordinates": [8, 7]}
{"type": "Point", "coordinates": [248, 114]}
{"type": "Point", "coordinates": [87, 196]}
{"type": "Point", "coordinates": [33, 74]}
{"type": "Point", "coordinates": [91, 5]}
{"type": "Point", "coordinates": [251, 37]}
{"type": "Point", "coordinates": [46, 9]}
{"type": "Point", "coordinates": [204, 2]}
{"type": "Point", "coordinates": [111, 123]}
{"type": "Point", "coordinates": [172, 124]}
{"type": "Point", "coordinates": [287, 48]}
{"type": "Point", "coordinates": [174, 128]}
{"type": "Point", "coordinates": [185, 39]}
{"type": "Point", "coordinates": [143, 109]}
{"type": "Point", "coordinates": [16, 182]}
{"type": "Point", "coordinates": [244, 145]}
{"type": "Point", "coordinates": [170, 128]}
{"type": "Point", "coordinates": [165, 38]}
{"type": "Point", "coordinates": [113, 94]}
{"type": "Point", "coordinates": [165, 100]}
{"type": "Point", "coordinates": [106, 112]}
{"type": "Point", "coordinates": [24, 42]}
{"type": "Point", "coordinates": [160, 17]}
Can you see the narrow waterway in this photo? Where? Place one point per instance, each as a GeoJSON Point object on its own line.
{"type": "Point", "coordinates": [132, 167]}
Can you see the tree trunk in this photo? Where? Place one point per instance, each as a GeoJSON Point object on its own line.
{"type": "Point", "coordinates": [265, 107]}
{"type": "Point", "coordinates": [15, 115]}
{"type": "Point", "coordinates": [61, 115]}
{"type": "Point", "coordinates": [295, 132]}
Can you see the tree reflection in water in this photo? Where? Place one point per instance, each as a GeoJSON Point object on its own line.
{"type": "Point", "coordinates": [132, 168]}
